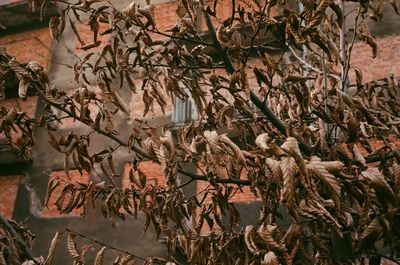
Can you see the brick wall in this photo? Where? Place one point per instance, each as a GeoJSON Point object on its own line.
{"type": "Point", "coordinates": [28, 106]}
{"type": "Point", "coordinates": [165, 16]}
{"type": "Point", "coordinates": [387, 61]}
{"type": "Point", "coordinates": [29, 46]}
{"type": "Point", "coordinates": [153, 172]}
{"type": "Point", "coordinates": [25, 46]}
{"type": "Point", "coordinates": [8, 194]}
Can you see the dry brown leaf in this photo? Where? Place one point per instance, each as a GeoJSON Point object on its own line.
{"type": "Point", "coordinates": [52, 249]}
{"type": "Point", "coordinates": [249, 237]}
{"type": "Point", "coordinates": [291, 145]}
{"type": "Point", "coordinates": [317, 169]}
{"type": "Point", "coordinates": [148, 12]}
{"type": "Point", "coordinates": [373, 229]}
{"type": "Point", "coordinates": [289, 169]}
{"type": "Point", "coordinates": [99, 257]}
{"type": "Point", "coordinates": [270, 259]}
{"type": "Point", "coordinates": [131, 10]}
{"type": "Point", "coordinates": [71, 245]}
{"type": "Point", "coordinates": [22, 88]}
{"type": "Point", "coordinates": [378, 182]}
{"type": "Point", "coordinates": [262, 141]}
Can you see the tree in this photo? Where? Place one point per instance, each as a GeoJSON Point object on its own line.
{"type": "Point", "coordinates": [300, 151]}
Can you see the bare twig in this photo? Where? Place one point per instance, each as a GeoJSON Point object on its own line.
{"type": "Point", "coordinates": [253, 38]}
{"type": "Point", "coordinates": [347, 63]}
{"type": "Point", "coordinates": [104, 244]}
{"type": "Point", "coordinates": [309, 66]}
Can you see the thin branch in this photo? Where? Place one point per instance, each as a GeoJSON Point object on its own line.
{"type": "Point", "coordinates": [181, 38]}
{"type": "Point", "coordinates": [310, 66]}
{"type": "Point", "coordinates": [217, 45]}
{"type": "Point", "coordinates": [184, 184]}
{"type": "Point", "coordinates": [383, 256]}
{"type": "Point", "coordinates": [104, 244]}
{"type": "Point", "coordinates": [325, 80]}
{"type": "Point", "coordinates": [347, 64]}
{"type": "Point", "coordinates": [253, 38]}
{"type": "Point", "coordinates": [342, 44]}
{"type": "Point", "coordinates": [25, 249]}
{"type": "Point", "coordinates": [184, 66]}
{"type": "Point", "coordinates": [245, 182]}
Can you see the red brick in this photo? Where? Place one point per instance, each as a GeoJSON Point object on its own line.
{"type": "Point", "coordinates": [153, 171]}
{"type": "Point", "coordinates": [28, 46]}
{"type": "Point", "coordinates": [8, 194]}
{"type": "Point", "coordinates": [387, 61]}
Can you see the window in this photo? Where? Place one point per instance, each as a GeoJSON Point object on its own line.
{"type": "Point", "coordinates": [184, 110]}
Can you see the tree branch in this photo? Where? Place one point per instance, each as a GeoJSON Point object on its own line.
{"type": "Point", "coordinates": [256, 33]}
{"type": "Point", "coordinates": [137, 149]}
{"type": "Point", "coordinates": [104, 244]}
{"type": "Point", "coordinates": [25, 249]}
